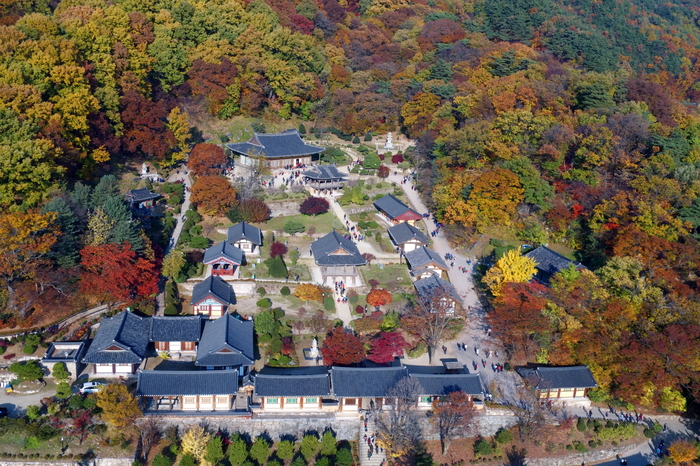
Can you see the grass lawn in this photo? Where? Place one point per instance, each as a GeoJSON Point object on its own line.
{"type": "Point", "coordinates": [392, 274]}
{"type": "Point", "coordinates": [323, 223]}
{"type": "Point", "coordinates": [260, 271]}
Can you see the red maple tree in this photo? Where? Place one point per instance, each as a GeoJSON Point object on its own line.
{"type": "Point", "coordinates": [277, 249]}
{"type": "Point", "coordinates": [342, 348]}
{"type": "Point", "coordinates": [314, 206]}
{"type": "Point", "coordinates": [383, 171]}
{"type": "Point", "coordinates": [386, 347]}
{"type": "Point", "coordinates": [115, 272]}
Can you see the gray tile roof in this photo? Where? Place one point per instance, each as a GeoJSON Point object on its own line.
{"type": "Point", "coordinates": [176, 328]}
{"type": "Point", "coordinates": [324, 173]}
{"type": "Point", "coordinates": [125, 331]}
{"type": "Point", "coordinates": [422, 257]}
{"type": "Point", "coordinates": [365, 381]}
{"type": "Point", "coordinates": [140, 195]}
{"type": "Point", "coordinates": [402, 232]}
{"type": "Point", "coordinates": [393, 207]}
{"type": "Point", "coordinates": [226, 341]}
{"type": "Point", "coordinates": [64, 351]}
{"type": "Point", "coordinates": [443, 384]}
{"type": "Point", "coordinates": [178, 383]}
{"type": "Point", "coordinates": [323, 249]}
{"type": "Point", "coordinates": [292, 384]}
{"type": "Point", "coordinates": [215, 287]}
{"type": "Point", "coordinates": [434, 286]}
{"type": "Point", "coordinates": [275, 145]}
{"type": "Point", "coordinates": [245, 231]}
{"type": "Point", "coordinates": [546, 378]}
{"type": "Point", "coordinates": [223, 249]}
{"type": "Point", "coordinates": [550, 262]}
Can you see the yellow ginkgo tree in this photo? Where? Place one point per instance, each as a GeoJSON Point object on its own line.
{"type": "Point", "coordinates": [511, 268]}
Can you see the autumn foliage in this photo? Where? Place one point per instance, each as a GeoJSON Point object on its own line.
{"type": "Point", "coordinates": [342, 348]}
{"type": "Point", "coordinates": [254, 210]}
{"type": "Point", "coordinates": [386, 347]}
{"type": "Point", "coordinates": [308, 292]}
{"type": "Point", "coordinates": [379, 297]}
{"type": "Point", "coordinates": [114, 272]}
{"type": "Point", "coordinates": [277, 249]}
{"type": "Point", "coordinates": [314, 206]}
{"type": "Point", "coordinates": [207, 160]}
{"type": "Point", "coordinates": [213, 195]}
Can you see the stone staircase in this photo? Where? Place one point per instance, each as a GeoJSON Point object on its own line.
{"type": "Point", "coordinates": [376, 459]}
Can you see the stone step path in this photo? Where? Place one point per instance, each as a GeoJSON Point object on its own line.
{"type": "Point", "coordinates": [375, 459]}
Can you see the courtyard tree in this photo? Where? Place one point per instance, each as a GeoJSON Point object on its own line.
{"type": "Point", "coordinates": [60, 372]}
{"type": "Point", "coordinates": [386, 347]}
{"type": "Point", "coordinates": [431, 322]}
{"type": "Point", "coordinates": [513, 267]}
{"type": "Point", "coordinates": [293, 227]}
{"type": "Point", "coordinates": [213, 195]}
{"type": "Point", "coordinates": [254, 210]}
{"type": "Point", "coordinates": [453, 416]}
{"type": "Point", "coordinates": [277, 249]}
{"type": "Point", "coordinates": [28, 370]}
{"type": "Point", "coordinates": [342, 348]}
{"type": "Point", "coordinates": [308, 292]}
{"type": "Point", "coordinates": [378, 297]}
{"type": "Point", "coordinates": [383, 171]}
{"type": "Point", "coordinates": [314, 206]}
{"type": "Point", "coordinates": [173, 263]}
{"type": "Point", "coordinates": [119, 407]}
{"type": "Point", "coordinates": [207, 160]}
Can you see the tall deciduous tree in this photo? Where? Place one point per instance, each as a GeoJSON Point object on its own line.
{"type": "Point", "coordinates": [378, 297]}
{"type": "Point", "coordinates": [25, 239]}
{"type": "Point", "coordinates": [179, 125]}
{"type": "Point", "coordinates": [342, 348]}
{"type": "Point", "coordinates": [207, 160]}
{"type": "Point", "coordinates": [513, 267]}
{"type": "Point", "coordinates": [308, 292]}
{"type": "Point", "coordinates": [213, 195]}
{"type": "Point", "coordinates": [254, 210]}
{"type": "Point", "coordinates": [398, 427]}
{"type": "Point", "coordinates": [431, 322]}
{"type": "Point", "coordinates": [115, 272]}
{"type": "Point", "coordinates": [453, 416]}
{"type": "Point", "coordinates": [119, 407]}
{"type": "Point", "coordinates": [386, 347]}
{"type": "Point", "coordinates": [194, 442]}
{"type": "Point", "coordinates": [517, 318]}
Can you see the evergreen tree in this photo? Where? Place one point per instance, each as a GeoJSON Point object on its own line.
{"type": "Point", "coordinates": [107, 188]}
{"type": "Point", "coordinates": [125, 229]}
{"type": "Point", "coordinates": [66, 249]}
{"type": "Point", "coordinates": [441, 70]}
{"type": "Point", "coordinates": [82, 195]}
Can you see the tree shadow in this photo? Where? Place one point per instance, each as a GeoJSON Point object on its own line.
{"type": "Point", "coordinates": [515, 456]}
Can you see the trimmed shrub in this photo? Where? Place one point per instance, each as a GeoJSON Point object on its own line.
{"type": "Point", "coordinates": [581, 424]}
{"type": "Point", "coordinates": [261, 291]}
{"type": "Point", "coordinates": [592, 443]}
{"type": "Point", "coordinates": [580, 447]}
{"type": "Point", "coordinates": [503, 436]}
{"type": "Point", "coordinates": [170, 310]}
{"type": "Point", "coordinates": [264, 303]}
{"type": "Point", "coordinates": [284, 291]}
{"type": "Point", "coordinates": [329, 304]}
{"type": "Point", "coordinates": [482, 447]}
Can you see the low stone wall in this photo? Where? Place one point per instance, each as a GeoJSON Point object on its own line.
{"type": "Point", "coordinates": [274, 426]}
{"type": "Point", "coordinates": [590, 457]}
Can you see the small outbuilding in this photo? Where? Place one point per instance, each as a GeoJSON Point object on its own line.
{"type": "Point", "coordinates": [407, 237]}
{"type": "Point", "coordinates": [246, 237]}
{"type": "Point", "coordinates": [68, 352]}
{"type": "Point", "coordinates": [324, 178]}
{"type": "Point", "coordinates": [424, 262]}
{"type": "Point", "coordinates": [396, 211]}
{"type": "Point", "coordinates": [141, 198]}
{"type": "Point", "coordinates": [550, 262]}
{"type": "Point", "coordinates": [338, 258]}
{"type": "Point", "coordinates": [211, 297]}
{"type": "Point", "coordinates": [566, 383]}
{"type": "Point", "coordinates": [224, 259]}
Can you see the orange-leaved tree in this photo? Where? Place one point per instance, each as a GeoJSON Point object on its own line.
{"type": "Point", "coordinates": [115, 272]}
{"type": "Point", "coordinates": [213, 195]}
{"type": "Point", "coordinates": [25, 238]}
{"type": "Point", "coordinates": [378, 297]}
{"type": "Point", "coordinates": [308, 292]}
{"type": "Point", "coordinates": [207, 160]}
{"type": "Point", "coordinates": [341, 347]}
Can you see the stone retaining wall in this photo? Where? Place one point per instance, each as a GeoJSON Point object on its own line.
{"type": "Point", "coordinates": [589, 457]}
{"type": "Point", "coordinates": [344, 428]}
{"type": "Point", "coordinates": [97, 462]}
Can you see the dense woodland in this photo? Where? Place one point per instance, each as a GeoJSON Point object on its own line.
{"type": "Point", "coordinates": [570, 122]}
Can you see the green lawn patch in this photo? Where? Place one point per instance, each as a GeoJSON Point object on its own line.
{"type": "Point", "coordinates": [323, 223]}
{"type": "Point", "coordinates": [392, 274]}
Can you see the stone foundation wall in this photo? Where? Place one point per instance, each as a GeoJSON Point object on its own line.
{"type": "Point", "coordinates": [577, 458]}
